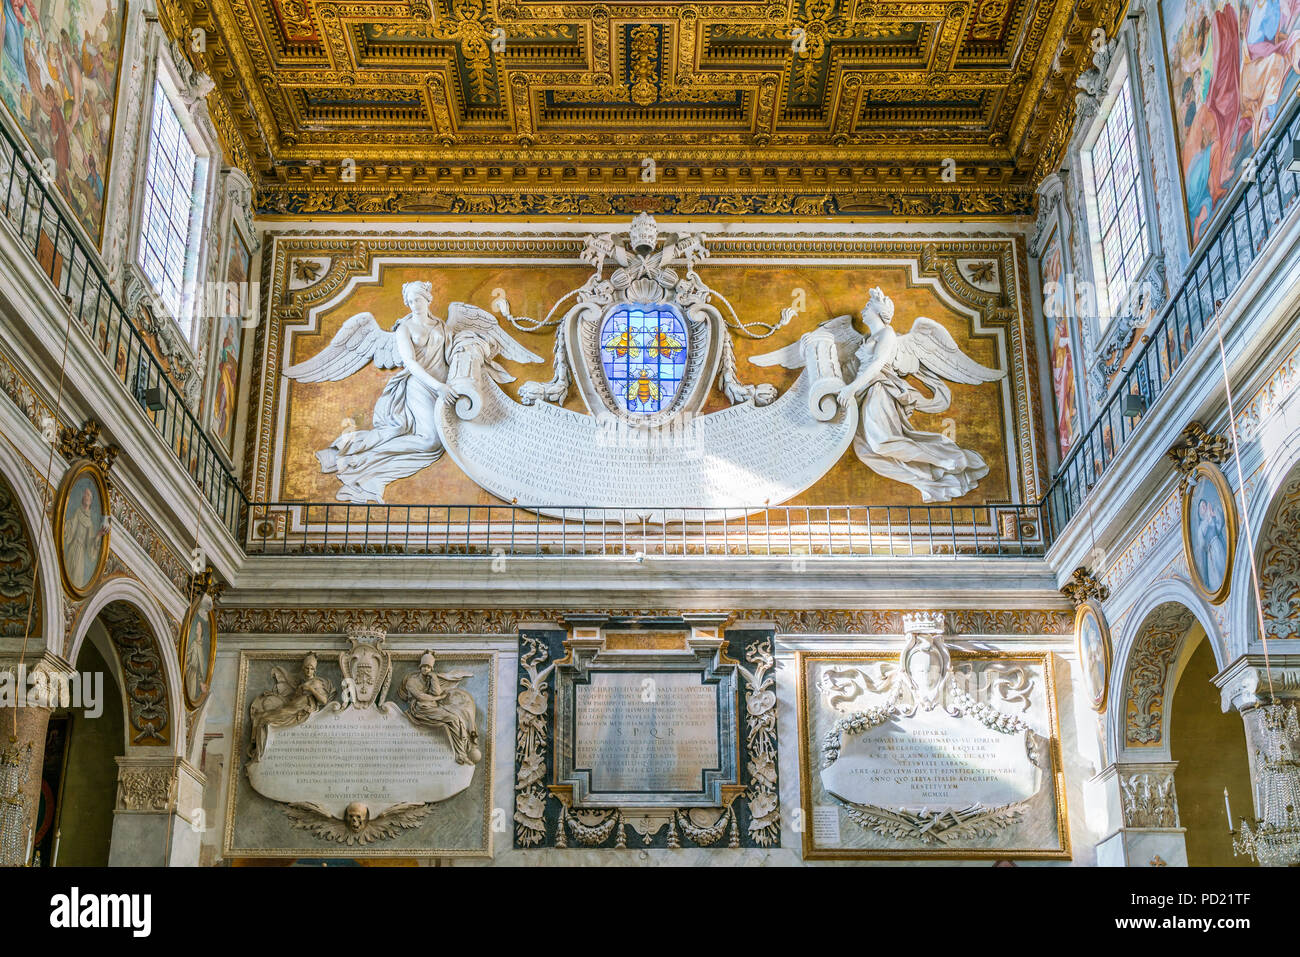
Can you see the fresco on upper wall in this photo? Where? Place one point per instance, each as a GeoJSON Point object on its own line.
{"type": "Point", "coordinates": [58, 78]}
{"type": "Point", "coordinates": [1232, 68]}
{"type": "Point", "coordinates": [1057, 318]}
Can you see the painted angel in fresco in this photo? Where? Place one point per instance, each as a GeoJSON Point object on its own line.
{"type": "Point", "coordinates": [887, 442]}
{"type": "Point", "coordinates": [404, 435]}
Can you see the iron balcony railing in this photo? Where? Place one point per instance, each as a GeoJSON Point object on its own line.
{"type": "Point", "coordinates": [45, 230]}
{"type": "Point", "coordinates": [41, 224]}
{"type": "Point", "coordinates": [508, 530]}
{"type": "Point", "coordinates": [1260, 206]}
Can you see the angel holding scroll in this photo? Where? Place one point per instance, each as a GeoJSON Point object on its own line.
{"type": "Point", "coordinates": [886, 440]}
{"type": "Point", "coordinates": [404, 436]}
{"type": "Point", "coordinates": [877, 367]}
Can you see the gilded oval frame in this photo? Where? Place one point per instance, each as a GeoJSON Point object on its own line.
{"type": "Point", "coordinates": [194, 703]}
{"type": "Point", "coordinates": [1210, 471]}
{"type": "Point", "coordinates": [75, 471]}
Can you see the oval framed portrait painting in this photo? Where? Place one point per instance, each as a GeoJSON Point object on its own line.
{"type": "Point", "coordinates": [198, 651]}
{"type": "Point", "coordinates": [1092, 641]}
{"type": "Point", "coordinates": [1210, 531]}
{"type": "Point", "coordinates": [82, 527]}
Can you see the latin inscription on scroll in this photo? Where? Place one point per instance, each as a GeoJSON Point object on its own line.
{"type": "Point", "coordinates": [371, 756]}
{"type": "Point", "coordinates": [637, 731]}
{"type": "Point", "coordinates": [737, 457]}
{"type": "Point", "coordinates": [933, 761]}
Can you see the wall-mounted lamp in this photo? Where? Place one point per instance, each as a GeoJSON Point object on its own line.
{"type": "Point", "coordinates": [1135, 404]}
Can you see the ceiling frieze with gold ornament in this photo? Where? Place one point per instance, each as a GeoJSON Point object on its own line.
{"type": "Point", "coordinates": [509, 107]}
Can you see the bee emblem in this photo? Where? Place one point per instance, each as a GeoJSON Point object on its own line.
{"type": "Point", "coordinates": [642, 390]}
{"type": "Point", "coordinates": [622, 344]}
{"type": "Point", "coordinates": [665, 345]}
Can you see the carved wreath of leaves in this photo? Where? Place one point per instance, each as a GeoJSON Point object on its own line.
{"type": "Point", "coordinates": [932, 827]}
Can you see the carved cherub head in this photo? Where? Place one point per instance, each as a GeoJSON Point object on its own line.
{"type": "Point", "coordinates": [355, 815]}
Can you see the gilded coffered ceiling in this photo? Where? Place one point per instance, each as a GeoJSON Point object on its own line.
{"type": "Point", "coordinates": [516, 107]}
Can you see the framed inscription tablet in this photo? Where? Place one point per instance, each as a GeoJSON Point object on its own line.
{"type": "Point", "coordinates": [646, 732]}
{"type": "Point", "coordinates": [931, 753]}
{"type": "Point", "coordinates": [329, 767]}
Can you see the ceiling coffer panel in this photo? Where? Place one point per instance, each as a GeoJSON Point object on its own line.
{"type": "Point", "coordinates": [514, 107]}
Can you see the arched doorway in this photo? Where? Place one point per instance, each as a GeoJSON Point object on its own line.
{"type": "Point", "coordinates": [79, 779]}
{"type": "Point", "coordinates": [116, 768]}
{"type": "Point", "coordinates": [1210, 750]}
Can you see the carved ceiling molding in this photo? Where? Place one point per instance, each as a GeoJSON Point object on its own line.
{"type": "Point", "coordinates": [351, 256]}
{"type": "Point", "coordinates": [1148, 671]}
{"type": "Point", "coordinates": [506, 621]}
{"type": "Point", "coordinates": [524, 107]}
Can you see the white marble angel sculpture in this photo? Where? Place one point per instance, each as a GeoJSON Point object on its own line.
{"type": "Point", "coordinates": [886, 440]}
{"type": "Point", "coordinates": [404, 436]}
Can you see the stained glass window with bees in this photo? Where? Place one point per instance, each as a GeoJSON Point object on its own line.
{"type": "Point", "coordinates": [643, 352]}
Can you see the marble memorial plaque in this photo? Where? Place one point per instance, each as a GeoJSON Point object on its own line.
{"type": "Point", "coordinates": [657, 731]}
{"type": "Point", "coordinates": [957, 760]}
{"type": "Point", "coordinates": [646, 731]}
{"type": "Point", "coordinates": [328, 767]}
{"type": "Point", "coordinates": [377, 757]}
{"type": "Point", "coordinates": [935, 761]}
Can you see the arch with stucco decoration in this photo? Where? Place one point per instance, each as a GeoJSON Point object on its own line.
{"type": "Point", "coordinates": [27, 501]}
{"type": "Point", "coordinates": [1273, 499]}
{"type": "Point", "coordinates": [141, 636]}
{"type": "Point", "coordinates": [1149, 656]}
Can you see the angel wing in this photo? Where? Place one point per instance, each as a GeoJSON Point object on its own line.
{"type": "Point", "coordinates": [454, 675]}
{"type": "Point", "coordinates": [465, 318]}
{"type": "Point", "coordinates": [397, 818]}
{"type": "Point", "coordinates": [314, 818]}
{"type": "Point", "coordinates": [283, 686]}
{"type": "Point", "coordinates": [359, 341]}
{"type": "Point", "coordinates": [929, 344]}
{"type": "Point", "coordinates": [847, 340]}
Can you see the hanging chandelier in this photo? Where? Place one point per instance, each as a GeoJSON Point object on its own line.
{"type": "Point", "coordinates": [1274, 841]}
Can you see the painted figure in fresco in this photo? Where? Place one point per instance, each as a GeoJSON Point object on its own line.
{"type": "Point", "coordinates": [886, 440]}
{"type": "Point", "coordinates": [196, 656]}
{"type": "Point", "coordinates": [228, 369]}
{"type": "Point", "coordinates": [433, 700]}
{"type": "Point", "coordinates": [287, 704]}
{"type": "Point", "coordinates": [82, 531]}
{"type": "Point", "coordinates": [404, 437]}
{"type": "Point", "coordinates": [1094, 657]}
{"type": "Point", "coordinates": [1272, 52]}
{"type": "Point", "coordinates": [1212, 542]}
